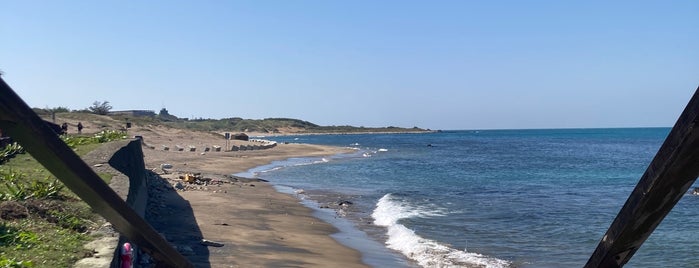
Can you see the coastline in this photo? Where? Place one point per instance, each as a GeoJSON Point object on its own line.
{"type": "Point", "coordinates": [258, 225]}
{"type": "Point", "coordinates": [286, 134]}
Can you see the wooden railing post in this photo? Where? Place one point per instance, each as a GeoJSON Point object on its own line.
{"type": "Point", "coordinates": [673, 170]}
{"type": "Point", "coordinates": [25, 127]}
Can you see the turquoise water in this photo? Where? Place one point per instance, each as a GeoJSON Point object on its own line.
{"type": "Point", "coordinates": [499, 198]}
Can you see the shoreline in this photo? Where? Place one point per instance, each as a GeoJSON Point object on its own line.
{"type": "Point", "coordinates": [373, 252]}
{"type": "Point", "coordinates": [258, 225]}
{"type": "Point", "coordinates": [261, 134]}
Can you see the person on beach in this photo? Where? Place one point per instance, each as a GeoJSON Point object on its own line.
{"type": "Point", "coordinates": [80, 127]}
{"type": "Point", "coordinates": [64, 127]}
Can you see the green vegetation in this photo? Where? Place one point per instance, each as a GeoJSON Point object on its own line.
{"type": "Point", "coordinates": [233, 124]}
{"type": "Point", "coordinates": [267, 125]}
{"type": "Point", "coordinates": [10, 151]}
{"type": "Point", "coordinates": [43, 224]}
{"type": "Point", "coordinates": [277, 125]}
{"type": "Point", "coordinates": [101, 108]}
{"type": "Point", "coordinates": [18, 187]}
{"type": "Point", "coordinates": [100, 137]}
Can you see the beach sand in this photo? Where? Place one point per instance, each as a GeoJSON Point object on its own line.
{"type": "Point", "coordinates": [258, 226]}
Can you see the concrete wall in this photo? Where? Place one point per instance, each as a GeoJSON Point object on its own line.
{"type": "Point", "coordinates": [128, 160]}
{"type": "Point", "coordinates": [124, 160]}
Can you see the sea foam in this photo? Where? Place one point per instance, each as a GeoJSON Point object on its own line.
{"type": "Point", "coordinates": [426, 252]}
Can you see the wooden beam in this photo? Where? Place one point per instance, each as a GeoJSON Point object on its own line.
{"type": "Point", "coordinates": [673, 170]}
{"type": "Point", "coordinates": [25, 127]}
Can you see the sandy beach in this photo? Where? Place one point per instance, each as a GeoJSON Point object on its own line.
{"type": "Point", "coordinates": [258, 226]}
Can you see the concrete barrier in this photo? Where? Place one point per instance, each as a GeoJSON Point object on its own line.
{"type": "Point", "coordinates": [126, 164]}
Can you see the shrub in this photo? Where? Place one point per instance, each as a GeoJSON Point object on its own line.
{"type": "Point", "coordinates": [19, 188]}
{"type": "Point", "coordinates": [10, 151]}
{"type": "Point", "coordinates": [100, 137]}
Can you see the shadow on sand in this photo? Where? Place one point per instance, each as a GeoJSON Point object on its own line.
{"type": "Point", "coordinates": [172, 216]}
{"type": "Point", "coordinates": [155, 199]}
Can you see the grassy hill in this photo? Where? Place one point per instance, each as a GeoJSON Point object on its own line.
{"type": "Point", "coordinates": [234, 124]}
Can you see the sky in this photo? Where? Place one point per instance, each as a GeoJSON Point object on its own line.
{"type": "Point", "coordinates": [431, 64]}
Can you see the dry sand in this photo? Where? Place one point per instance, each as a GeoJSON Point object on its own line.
{"type": "Point", "coordinates": [258, 226]}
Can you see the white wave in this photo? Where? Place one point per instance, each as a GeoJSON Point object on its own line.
{"type": "Point", "coordinates": [322, 160]}
{"type": "Point", "coordinates": [268, 170]}
{"type": "Point", "coordinates": [291, 162]}
{"type": "Point", "coordinates": [383, 150]}
{"type": "Point", "coordinates": [426, 252]}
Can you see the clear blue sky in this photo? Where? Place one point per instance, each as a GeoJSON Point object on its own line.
{"type": "Point", "coordinates": [432, 64]}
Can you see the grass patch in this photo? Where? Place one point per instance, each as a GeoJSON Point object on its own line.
{"type": "Point", "coordinates": [40, 244]}
{"type": "Point", "coordinates": [43, 223]}
{"type": "Point", "coordinates": [106, 177]}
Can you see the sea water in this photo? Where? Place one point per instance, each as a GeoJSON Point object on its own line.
{"type": "Point", "coordinates": [489, 198]}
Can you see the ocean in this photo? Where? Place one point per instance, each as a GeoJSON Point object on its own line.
{"type": "Point", "coordinates": [487, 198]}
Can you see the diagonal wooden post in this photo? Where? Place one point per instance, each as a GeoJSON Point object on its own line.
{"type": "Point", "coordinates": [673, 170]}
{"type": "Point", "coordinates": [25, 127]}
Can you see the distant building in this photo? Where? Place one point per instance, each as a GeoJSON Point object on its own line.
{"type": "Point", "coordinates": [134, 113]}
{"type": "Point", "coordinates": [241, 136]}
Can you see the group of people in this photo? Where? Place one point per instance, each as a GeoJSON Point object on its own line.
{"type": "Point", "coordinates": [64, 127]}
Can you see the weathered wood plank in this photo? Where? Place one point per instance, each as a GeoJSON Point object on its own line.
{"type": "Point", "coordinates": [25, 127]}
{"type": "Point", "coordinates": [673, 170]}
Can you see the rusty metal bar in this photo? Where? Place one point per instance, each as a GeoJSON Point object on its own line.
{"type": "Point", "coordinates": [25, 127]}
{"type": "Point", "coordinates": [673, 170]}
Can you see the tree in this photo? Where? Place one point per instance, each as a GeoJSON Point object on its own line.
{"type": "Point", "coordinates": [102, 108]}
{"type": "Point", "coordinates": [58, 109]}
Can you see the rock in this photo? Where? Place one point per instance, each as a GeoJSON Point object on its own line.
{"type": "Point", "coordinates": [101, 253]}
{"type": "Point", "coordinates": [179, 186]}
{"type": "Point", "coordinates": [345, 203]}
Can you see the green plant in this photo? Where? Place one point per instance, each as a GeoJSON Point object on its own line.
{"type": "Point", "coordinates": [13, 184]}
{"type": "Point", "coordinates": [70, 221]}
{"type": "Point", "coordinates": [19, 188]}
{"type": "Point", "coordinates": [99, 137]}
{"type": "Point", "coordinates": [43, 189]}
{"type": "Point", "coordinates": [10, 151]}
{"type": "Point", "coordinates": [12, 263]}
{"type": "Point", "coordinates": [16, 238]}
